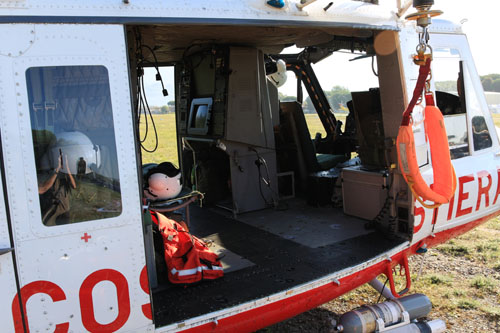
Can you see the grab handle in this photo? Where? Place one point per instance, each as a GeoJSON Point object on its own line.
{"type": "Point", "coordinates": [390, 276]}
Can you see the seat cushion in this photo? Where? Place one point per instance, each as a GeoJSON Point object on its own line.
{"type": "Point", "coordinates": [327, 161]}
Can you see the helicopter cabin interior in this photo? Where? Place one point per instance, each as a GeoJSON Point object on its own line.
{"type": "Point", "coordinates": [280, 207]}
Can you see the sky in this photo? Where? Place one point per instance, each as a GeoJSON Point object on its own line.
{"type": "Point", "coordinates": [479, 17]}
{"type": "Point", "coordinates": [480, 27]}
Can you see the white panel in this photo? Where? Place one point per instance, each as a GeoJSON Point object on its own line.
{"type": "Point", "coordinates": [7, 276]}
{"type": "Point", "coordinates": [244, 121]}
{"type": "Point", "coordinates": [477, 175]}
{"type": "Point", "coordinates": [65, 256]}
{"type": "Point", "coordinates": [341, 11]}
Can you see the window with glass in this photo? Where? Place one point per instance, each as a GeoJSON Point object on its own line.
{"type": "Point", "coordinates": [481, 137]}
{"type": "Point", "coordinates": [447, 71]}
{"type": "Point", "coordinates": [74, 143]}
{"type": "Point", "coordinates": [313, 121]}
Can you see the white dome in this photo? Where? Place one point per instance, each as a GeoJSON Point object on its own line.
{"type": "Point", "coordinates": [82, 155]}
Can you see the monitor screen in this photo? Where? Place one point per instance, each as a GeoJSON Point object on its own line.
{"type": "Point", "coordinates": [199, 116]}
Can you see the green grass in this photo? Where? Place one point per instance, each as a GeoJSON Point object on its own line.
{"type": "Point", "coordinates": [314, 124]}
{"type": "Point", "coordinates": [454, 292]}
{"type": "Point", "coordinates": [483, 283]}
{"type": "Point", "coordinates": [467, 304]}
{"type": "Point", "coordinates": [481, 245]}
{"type": "Point", "coordinates": [439, 279]}
{"type": "Point", "coordinates": [457, 251]}
{"type": "Point", "coordinates": [496, 119]}
{"type": "Point", "coordinates": [167, 145]}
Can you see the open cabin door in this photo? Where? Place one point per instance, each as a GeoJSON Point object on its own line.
{"type": "Point", "coordinates": [71, 181]}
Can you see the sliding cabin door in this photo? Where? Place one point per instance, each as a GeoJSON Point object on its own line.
{"type": "Point", "coordinates": [71, 181]}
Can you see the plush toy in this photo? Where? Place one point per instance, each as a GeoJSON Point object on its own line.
{"type": "Point", "coordinates": [163, 182]}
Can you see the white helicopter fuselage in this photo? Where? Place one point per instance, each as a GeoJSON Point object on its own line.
{"type": "Point", "coordinates": [92, 275]}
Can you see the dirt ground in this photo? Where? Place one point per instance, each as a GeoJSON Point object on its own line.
{"type": "Point", "coordinates": [461, 278]}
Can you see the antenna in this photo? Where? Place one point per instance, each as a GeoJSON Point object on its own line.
{"type": "Point", "coordinates": [402, 8]}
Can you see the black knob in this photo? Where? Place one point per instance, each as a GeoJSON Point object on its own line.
{"type": "Point", "coordinates": [420, 3]}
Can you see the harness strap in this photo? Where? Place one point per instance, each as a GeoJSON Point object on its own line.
{"type": "Point", "coordinates": [422, 76]}
{"type": "Point", "coordinates": [429, 99]}
{"type": "Point", "coordinates": [206, 263]}
{"type": "Point", "coordinates": [417, 196]}
{"type": "Point", "coordinates": [148, 219]}
{"type": "Point", "coordinates": [184, 257]}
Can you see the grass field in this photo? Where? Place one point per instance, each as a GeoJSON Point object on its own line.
{"type": "Point", "coordinates": [461, 277]}
{"type": "Point", "coordinates": [167, 148]}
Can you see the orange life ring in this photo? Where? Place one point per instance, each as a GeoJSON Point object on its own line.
{"type": "Point", "coordinates": [444, 174]}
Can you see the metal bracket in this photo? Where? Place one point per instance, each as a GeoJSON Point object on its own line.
{"type": "Point", "coordinates": [403, 263]}
{"type": "Point", "coordinates": [405, 320]}
{"type": "Point", "coordinates": [6, 250]}
{"type": "Point", "coordinates": [303, 3]}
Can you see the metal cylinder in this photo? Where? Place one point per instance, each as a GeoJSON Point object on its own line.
{"type": "Point", "coordinates": [417, 305]}
{"type": "Point", "coordinates": [437, 326]}
{"type": "Point", "coordinates": [364, 319]}
{"type": "Point", "coordinates": [434, 326]}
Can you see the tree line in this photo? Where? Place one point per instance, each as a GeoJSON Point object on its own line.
{"type": "Point", "coordinates": [490, 82]}
{"type": "Point", "coordinates": [338, 96]}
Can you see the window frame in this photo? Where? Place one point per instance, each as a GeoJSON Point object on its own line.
{"type": "Point", "coordinates": [476, 86]}
{"type": "Point", "coordinates": [459, 42]}
{"type": "Point", "coordinates": [123, 122]}
{"type": "Point", "coordinates": [38, 74]}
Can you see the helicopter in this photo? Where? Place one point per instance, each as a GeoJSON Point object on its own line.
{"type": "Point", "coordinates": [296, 218]}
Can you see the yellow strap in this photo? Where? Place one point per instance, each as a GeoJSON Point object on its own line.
{"type": "Point", "coordinates": [410, 184]}
{"type": "Point", "coordinates": [420, 199]}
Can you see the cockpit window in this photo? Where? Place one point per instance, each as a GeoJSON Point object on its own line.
{"type": "Point", "coordinates": [447, 70]}
{"type": "Point", "coordinates": [481, 137]}
{"type": "Point", "coordinates": [74, 143]}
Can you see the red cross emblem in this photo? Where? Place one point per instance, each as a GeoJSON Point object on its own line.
{"type": "Point", "coordinates": [86, 237]}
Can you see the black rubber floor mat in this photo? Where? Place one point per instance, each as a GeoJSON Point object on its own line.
{"type": "Point", "coordinates": [280, 264]}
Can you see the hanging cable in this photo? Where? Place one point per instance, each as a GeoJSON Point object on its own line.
{"type": "Point", "coordinates": [373, 66]}
{"type": "Point", "coordinates": [141, 103]}
{"type": "Point", "coordinates": [382, 291]}
{"type": "Point", "coordinates": [260, 161]}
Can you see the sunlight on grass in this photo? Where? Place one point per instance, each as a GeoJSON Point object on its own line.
{"type": "Point", "coordinates": [315, 126]}
{"type": "Point", "coordinates": [167, 146]}
{"type": "Point", "coordinates": [496, 119]}
{"type": "Point", "coordinates": [483, 283]}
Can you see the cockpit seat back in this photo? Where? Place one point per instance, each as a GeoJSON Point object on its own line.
{"type": "Point", "coordinates": [296, 134]}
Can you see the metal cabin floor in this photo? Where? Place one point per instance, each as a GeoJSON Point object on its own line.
{"type": "Point", "coordinates": [279, 264]}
